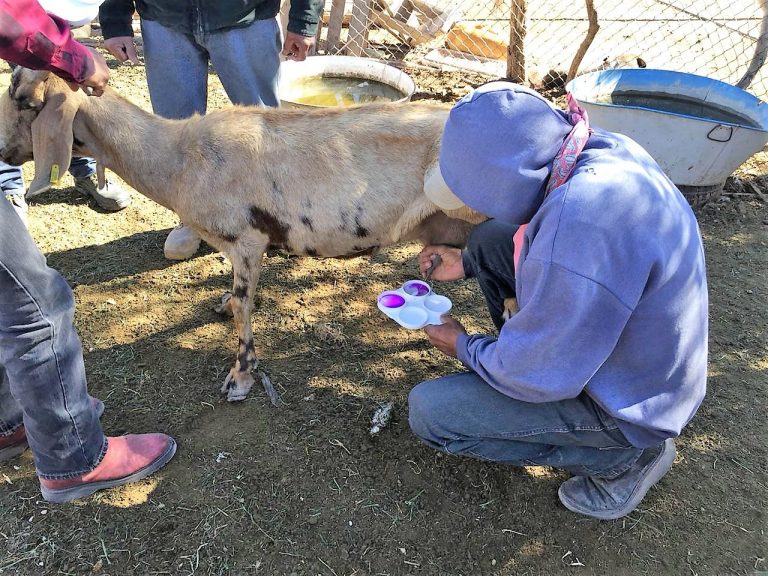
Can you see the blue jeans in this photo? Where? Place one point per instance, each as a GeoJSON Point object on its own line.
{"type": "Point", "coordinates": [247, 61]}
{"type": "Point", "coordinates": [461, 414]}
{"type": "Point", "coordinates": [42, 376]}
{"type": "Point", "coordinates": [10, 176]}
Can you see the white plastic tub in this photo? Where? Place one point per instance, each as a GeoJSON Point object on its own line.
{"type": "Point", "coordinates": [698, 129]}
{"type": "Point", "coordinates": [292, 74]}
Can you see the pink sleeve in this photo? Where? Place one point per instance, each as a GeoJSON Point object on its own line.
{"type": "Point", "coordinates": [32, 38]}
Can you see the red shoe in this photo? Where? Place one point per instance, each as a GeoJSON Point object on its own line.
{"type": "Point", "coordinates": [128, 459]}
{"type": "Point", "coordinates": [15, 444]}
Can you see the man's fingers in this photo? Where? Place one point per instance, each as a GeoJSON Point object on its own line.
{"type": "Point", "coordinates": [123, 49]}
{"type": "Point", "coordinates": [130, 53]}
{"type": "Point", "coordinates": [301, 53]}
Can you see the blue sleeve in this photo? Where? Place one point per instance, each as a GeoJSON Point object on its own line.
{"type": "Point", "coordinates": [567, 327]}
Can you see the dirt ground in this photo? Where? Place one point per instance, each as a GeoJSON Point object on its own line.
{"type": "Point", "coordinates": [304, 489]}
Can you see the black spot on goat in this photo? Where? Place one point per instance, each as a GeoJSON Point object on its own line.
{"type": "Point", "coordinates": [268, 224]}
{"type": "Point", "coordinates": [307, 221]}
{"type": "Point", "coordinates": [360, 230]}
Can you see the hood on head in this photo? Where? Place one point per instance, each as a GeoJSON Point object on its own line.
{"type": "Point", "coordinates": [498, 147]}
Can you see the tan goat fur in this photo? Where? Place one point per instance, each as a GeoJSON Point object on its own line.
{"type": "Point", "coordinates": [332, 182]}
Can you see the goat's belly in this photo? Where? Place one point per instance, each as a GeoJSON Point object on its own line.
{"type": "Point", "coordinates": [350, 251]}
{"type": "Point", "coordinates": [335, 246]}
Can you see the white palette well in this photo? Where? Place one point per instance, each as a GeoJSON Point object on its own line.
{"type": "Point", "coordinates": [414, 305]}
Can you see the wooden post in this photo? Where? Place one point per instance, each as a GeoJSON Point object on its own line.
{"type": "Point", "coordinates": [285, 7]}
{"type": "Point", "coordinates": [594, 26]}
{"type": "Point", "coordinates": [761, 51]}
{"type": "Point", "coordinates": [516, 71]}
{"type": "Point", "coordinates": [335, 23]}
{"type": "Point", "coordinates": [313, 50]}
{"type": "Point", "coordinates": [358, 27]}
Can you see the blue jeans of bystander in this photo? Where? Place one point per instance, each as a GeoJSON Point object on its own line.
{"type": "Point", "coordinates": [247, 61]}
{"type": "Point", "coordinates": [10, 176]}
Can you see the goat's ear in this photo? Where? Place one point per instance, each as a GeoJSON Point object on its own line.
{"type": "Point", "coordinates": [52, 140]}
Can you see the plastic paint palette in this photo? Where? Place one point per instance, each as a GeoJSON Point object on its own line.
{"type": "Point", "coordinates": [414, 305]}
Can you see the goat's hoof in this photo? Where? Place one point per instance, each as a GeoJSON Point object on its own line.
{"type": "Point", "coordinates": [237, 385]}
{"type": "Point", "coordinates": [225, 307]}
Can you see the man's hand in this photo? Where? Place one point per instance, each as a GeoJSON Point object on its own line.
{"type": "Point", "coordinates": [97, 81]}
{"type": "Point", "coordinates": [450, 267]}
{"type": "Point", "coordinates": [296, 46]}
{"type": "Point", "coordinates": [122, 48]}
{"type": "Point", "coordinates": [444, 336]}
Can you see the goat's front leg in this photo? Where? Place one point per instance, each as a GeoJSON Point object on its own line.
{"type": "Point", "coordinates": [239, 381]}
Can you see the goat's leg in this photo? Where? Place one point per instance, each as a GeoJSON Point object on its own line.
{"type": "Point", "coordinates": [239, 381]}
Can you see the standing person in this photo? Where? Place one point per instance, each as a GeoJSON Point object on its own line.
{"type": "Point", "coordinates": [44, 402]}
{"type": "Point", "coordinates": [606, 360]}
{"type": "Point", "coordinates": [240, 38]}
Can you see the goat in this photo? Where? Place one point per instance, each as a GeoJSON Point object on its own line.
{"type": "Point", "coordinates": [247, 178]}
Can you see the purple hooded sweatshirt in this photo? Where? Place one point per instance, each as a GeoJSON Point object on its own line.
{"type": "Point", "coordinates": [611, 282]}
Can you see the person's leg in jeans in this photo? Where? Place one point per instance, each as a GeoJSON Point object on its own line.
{"type": "Point", "coordinates": [488, 258]}
{"type": "Point", "coordinates": [42, 359]}
{"type": "Point", "coordinates": [13, 437]}
{"type": "Point", "coordinates": [177, 78]}
{"type": "Point", "coordinates": [177, 71]}
{"type": "Point", "coordinates": [82, 167]}
{"type": "Point", "coordinates": [12, 186]}
{"type": "Point", "coordinates": [43, 386]}
{"type": "Point", "coordinates": [247, 61]}
{"type": "Point", "coordinates": [461, 414]}
{"type": "Point", "coordinates": [10, 178]}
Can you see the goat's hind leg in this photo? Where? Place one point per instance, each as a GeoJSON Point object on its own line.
{"type": "Point", "coordinates": [239, 381]}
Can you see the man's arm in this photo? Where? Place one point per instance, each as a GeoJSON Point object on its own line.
{"type": "Point", "coordinates": [34, 39]}
{"type": "Point", "coordinates": [549, 350]}
{"type": "Point", "coordinates": [303, 16]}
{"type": "Point", "coordinates": [116, 19]}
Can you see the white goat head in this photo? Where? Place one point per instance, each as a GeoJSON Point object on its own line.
{"type": "Point", "coordinates": [36, 116]}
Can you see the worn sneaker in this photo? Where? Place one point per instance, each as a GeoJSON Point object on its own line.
{"type": "Point", "coordinates": [112, 197]}
{"type": "Point", "coordinates": [128, 459]}
{"type": "Point", "coordinates": [19, 203]}
{"type": "Point", "coordinates": [610, 499]}
{"type": "Point", "coordinates": [15, 444]}
{"type": "Point", "coordinates": [182, 243]}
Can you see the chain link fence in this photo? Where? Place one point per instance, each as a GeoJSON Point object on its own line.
{"type": "Point", "coordinates": [719, 39]}
{"type": "Point", "coordinates": [451, 47]}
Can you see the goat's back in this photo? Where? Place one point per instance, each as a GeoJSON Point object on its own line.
{"type": "Point", "coordinates": [357, 174]}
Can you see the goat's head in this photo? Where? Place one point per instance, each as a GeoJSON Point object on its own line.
{"type": "Point", "coordinates": [36, 116]}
